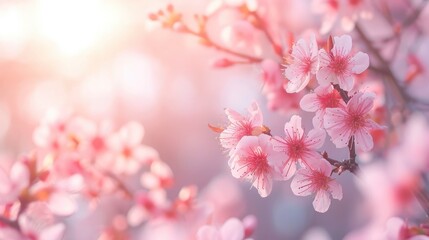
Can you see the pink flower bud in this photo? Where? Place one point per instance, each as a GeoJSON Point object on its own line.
{"type": "Point", "coordinates": [222, 63]}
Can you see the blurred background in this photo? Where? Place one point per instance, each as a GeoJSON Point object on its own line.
{"type": "Point", "coordinates": [105, 60]}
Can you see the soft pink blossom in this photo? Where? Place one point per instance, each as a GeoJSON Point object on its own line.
{"type": "Point", "coordinates": [339, 65]}
{"type": "Point", "coordinates": [304, 64]}
{"type": "Point", "coordinates": [232, 229]}
{"type": "Point", "coordinates": [241, 126]}
{"type": "Point", "coordinates": [14, 182]}
{"type": "Point", "coordinates": [148, 205]}
{"type": "Point", "coordinates": [159, 176]}
{"type": "Point", "coordinates": [316, 180]}
{"type": "Point", "coordinates": [352, 120]}
{"type": "Point", "coordinates": [241, 34]}
{"type": "Point", "coordinates": [130, 153]}
{"type": "Point", "coordinates": [341, 12]}
{"type": "Point", "coordinates": [298, 146]}
{"type": "Point", "coordinates": [398, 229]}
{"type": "Point", "coordinates": [255, 160]}
{"type": "Point", "coordinates": [271, 76]}
{"type": "Point", "coordinates": [318, 101]}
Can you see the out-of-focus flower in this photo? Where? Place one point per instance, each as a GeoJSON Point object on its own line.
{"type": "Point", "coordinates": [297, 146]}
{"type": "Point", "coordinates": [304, 63]}
{"type": "Point", "coordinates": [338, 65]}
{"type": "Point", "coordinates": [316, 179]}
{"type": "Point", "coordinates": [323, 97]}
{"type": "Point", "coordinates": [241, 35]}
{"type": "Point", "coordinates": [352, 120]}
{"type": "Point", "coordinates": [224, 194]}
{"type": "Point", "coordinates": [232, 229]}
{"type": "Point", "coordinates": [12, 184]}
{"type": "Point", "coordinates": [274, 88]}
{"type": "Point", "coordinates": [148, 205]}
{"type": "Point", "coordinates": [346, 12]}
{"type": "Point", "coordinates": [255, 160]}
{"type": "Point", "coordinates": [159, 176]}
{"type": "Point", "coordinates": [130, 154]}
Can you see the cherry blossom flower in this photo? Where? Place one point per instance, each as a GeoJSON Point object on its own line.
{"type": "Point", "coordinates": [322, 98]}
{"type": "Point", "coordinates": [160, 176]}
{"type": "Point", "coordinates": [274, 88]}
{"type": "Point", "coordinates": [352, 120]}
{"type": "Point", "coordinates": [271, 76]}
{"type": "Point", "coordinates": [304, 63]}
{"type": "Point", "coordinates": [317, 180]}
{"type": "Point", "coordinates": [131, 155]}
{"type": "Point", "coordinates": [297, 146]}
{"type": "Point", "coordinates": [398, 229]}
{"type": "Point", "coordinates": [255, 160]}
{"type": "Point", "coordinates": [241, 34]}
{"type": "Point", "coordinates": [241, 126]}
{"type": "Point", "coordinates": [149, 204]}
{"type": "Point", "coordinates": [343, 12]}
{"type": "Point", "coordinates": [232, 229]}
{"type": "Point", "coordinates": [224, 194]}
{"type": "Point", "coordinates": [12, 184]}
{"type": "Point", "coordinates": [38, 223]}
{"type": "Point", "coordinates": [339, 65]}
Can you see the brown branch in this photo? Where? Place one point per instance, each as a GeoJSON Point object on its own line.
{"type": "Point", "coordinates": [263, 27]}
{"type": "Point", "coordinates": [385, 65]}
{"type": "Point", "coordinates": [210, 43]}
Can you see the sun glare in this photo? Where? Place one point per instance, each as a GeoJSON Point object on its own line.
{"type": "Point", "coordinates": [75, 26]}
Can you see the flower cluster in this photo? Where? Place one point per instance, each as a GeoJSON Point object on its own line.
{"type": "Point", "coordinates": [259, 157]}
{"type": "Point", "coordinates": [75, 157]}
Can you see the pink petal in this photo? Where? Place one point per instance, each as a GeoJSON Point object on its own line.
{"type": "Point", "coordinates": [347, 23]}
{"type": "Point", "coordinates": [298, 80]}
{"type": "Point", "coordinates": [328, 22]}
{"type": "Point", "coordinates": [318, 119]}
{"type": "Point", "coordinates": [256, 114]}
{"type": "Point", "coordinates": [325, 76]}
{"type": "Point", "coordinates": [321, 201]}
{"type": "Point", "coordinates": [264, 184]}
{"type": "Point", "coordinates": [361, 103]}
{"type": "Point", "coordinates": [10, 234]}
{"type": "Point", "coordinates": [346, 82]}
{"type": "Point", "coordinates": [132, 133]}
{"type": "Point", "coordinates": [55, 232]}
{"type": "Point", "coordinates": [289, 169]}
{"type": "Point", "coordinates": [315, 138]}
{"type": "Point", "coordinates": [61, 204]}
{"type": "Point", "coordinates": [360, 62]}
{"type": "Point", "coordinates": [309, 103]}
{"type": "Point", "coordinates": [324, 167]}
{"type": "Point", "coordinates": [149, 180]}
{"type": "Point", "coordinates": [136, 215]}
{"type": "Point", "coordinates": [161, 169]}
{"type": "Point", "coordinates": [208, 233]}
{"type": "Point", "coordinates": [363, 140]}
{"type": "Point", "coordinates": [301, 184]}
{"type": "Point", "coordinates": [300, 49]}
{"type": "Point", "coordinates": [293, 128]}
{"type": "Point", "coordinates": [336, 190]}
{"type": "Point", "coordinates": [232, 230]}
{"type": "Point", "coordinates": [19, 176]}
{"type": "Point", "coordinates": [313, 47]}
{"type": "Point", "coordinates": [394, 227]}
{"type": "Point", "coordinates": [233, 116]}
{"type": "Point", "coordinates": [310, 159]}
{"type": "Point", "coordinates": [5, 184]}
{"type": "Point", "coordinates": [334, 117]}
{"type": "Point", "coordinates": [342, 45]}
